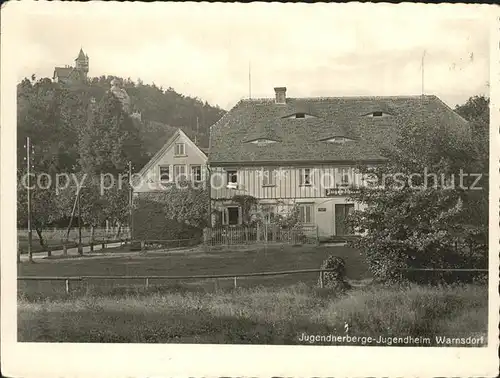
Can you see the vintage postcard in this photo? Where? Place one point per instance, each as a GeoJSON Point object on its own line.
{"type": "Point", "coordinates": [264, 189]}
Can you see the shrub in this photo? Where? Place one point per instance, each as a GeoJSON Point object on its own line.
{"type": "Point", "coordinates": [151, 222]}
{"type": "Point", "coordinates": [335, 279]}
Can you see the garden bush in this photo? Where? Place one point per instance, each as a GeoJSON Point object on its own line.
{"type": "Point", "coordinates": [335, 279]}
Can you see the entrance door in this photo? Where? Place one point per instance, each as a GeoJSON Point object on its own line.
{"type": "Point", "coordinates": [233, 215]}
{"type": "Point", "coordinates": [342, 211]}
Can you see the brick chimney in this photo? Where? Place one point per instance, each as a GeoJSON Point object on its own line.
{"type": "Point", "coordinates": [280, 94]}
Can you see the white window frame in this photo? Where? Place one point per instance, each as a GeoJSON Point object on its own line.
{"type": "Point", "coordinates": [228, 172]}
{"type": "Point", "coordinates": [160, 167]}
{"type": "Point", "coordinates": [193, 174]}
{"type": "Point", "coordinates": [177, 174]}
{"type": "Point", "coordinates": [302, 177]}
{"type": "Point", "coordinates": [345, 173]}
{"type": "Point", "coordinates": [303, 213]}
{"type": "Point", "coordinates": [178, 147]}
{"type": "Point", "coordinates": [268, 176]}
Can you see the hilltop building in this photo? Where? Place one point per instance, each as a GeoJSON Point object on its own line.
{"type": "Point", "coordinates": [73, 75]}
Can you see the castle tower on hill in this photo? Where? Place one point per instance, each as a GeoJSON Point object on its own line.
{"type": "Point", "coordinates": [82, 63]}
{"type": "Point", "coordinates": [73, 75]}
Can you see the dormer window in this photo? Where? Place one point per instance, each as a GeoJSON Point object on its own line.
{"type": "Point", "coordinates": [300, 115]}
{"type": "Point", "coordinates": [338, 140]}
{"type": "Point", "coordinates": [377, 114]}
{"type": "Point", "coordinates": [262, 141]}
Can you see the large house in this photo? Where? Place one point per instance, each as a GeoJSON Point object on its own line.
{"type": "Point", "coordinates": [303, 151]}
{"type": "Point", "coordinates": [180, 158]}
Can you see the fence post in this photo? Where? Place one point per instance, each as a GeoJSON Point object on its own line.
{"type": "Point", "coordinates": [235, 285]}
{"type": "Point", "coordinates": [147, 283]}
{"type": "Point", "coordinates": [317, 234]}
{"type": "Point", "coordinates": [321, 279]}
{"type": "Point", "coordinates": [67, 286]}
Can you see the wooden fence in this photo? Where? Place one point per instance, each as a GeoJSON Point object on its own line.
{"type": "Point", "coordinates": [234, 276]}
{"type": "Point", "coordinates": [147, 279]}
{"type": "Point", "coordinates": [144, 245]}
{"type": "Point", "coordinates": [238, 235]}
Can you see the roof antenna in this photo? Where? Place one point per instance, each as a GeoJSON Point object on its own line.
{"type": "Point", "coordinates": [423, 64]}
{"type": "Point", "coordinates": [249, 80]}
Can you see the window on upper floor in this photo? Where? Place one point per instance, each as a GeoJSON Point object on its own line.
{"type": "Point", "coordinates": [180, 149]}
{"type": "Point", "coordinates": [164, 173]}
{"type": "Point", "coordinates": [268, 177]}
{"type": "Point", "coordinates": [305, 177]}
{"type": "Point", "coordinates": [344, 176]}
{"type": "Point", "coordinates": [232, 176]}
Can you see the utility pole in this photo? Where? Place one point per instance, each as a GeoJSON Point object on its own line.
{"type": "Point", "coordinates": [80, 247]}
{"type": "Point", "coordinates": [130, 201]}
{"type": "Point", "coordinates": [28, 166]}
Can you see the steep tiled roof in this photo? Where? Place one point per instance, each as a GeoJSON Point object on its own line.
{"type": "Point", "coordinates": [81, 55]}
{"type": "Point", "coordinates": [303, 139]}
{"type": "Point", "coordinates": [62, 72]}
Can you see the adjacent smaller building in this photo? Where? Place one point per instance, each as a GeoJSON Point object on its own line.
{"type": "Point", "coordinates": [179, 159]}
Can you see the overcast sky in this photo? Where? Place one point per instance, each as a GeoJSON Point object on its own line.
{"type": "Point", "coordinates": [205, 50]}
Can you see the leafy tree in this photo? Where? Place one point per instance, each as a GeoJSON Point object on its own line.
{"type": "Point", "coordinates": [247, 203]}
{"type": "Point", "coordinates": [43, 205]}
{"type": "Point", "coordinates": [109, 139]}
{"type": "Point", "coordinates": [416, 216]}
{"type": "Point", "coordinates": [179, 210]}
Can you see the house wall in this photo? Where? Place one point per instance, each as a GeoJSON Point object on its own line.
{"type": "Point", "coordinates": [286, 183]}
{"type": "Point", "coordinates": [287, 190]}
{"type": "Point", "coordinates": [150, 182]}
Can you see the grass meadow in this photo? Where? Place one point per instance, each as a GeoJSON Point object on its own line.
{"type": "Point", "coordinates": [261, 310]}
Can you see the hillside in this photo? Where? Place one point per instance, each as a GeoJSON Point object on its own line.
{"type": "Point", "coordinates": [53, 114]}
